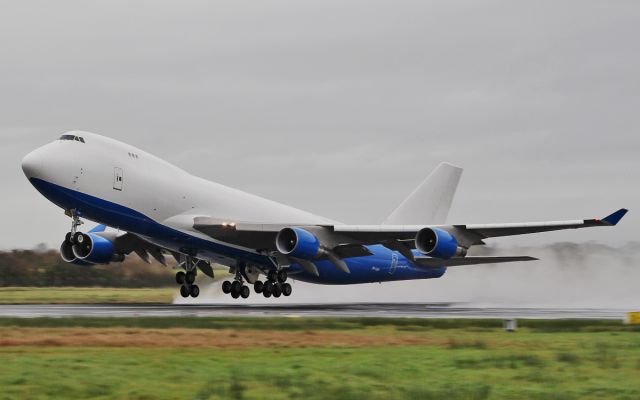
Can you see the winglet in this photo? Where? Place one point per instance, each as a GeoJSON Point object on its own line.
{"type": "Point", "coordinates": [614, 218]}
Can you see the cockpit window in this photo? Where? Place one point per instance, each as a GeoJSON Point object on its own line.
{"type": "Point", "coordinates": [72, 137]}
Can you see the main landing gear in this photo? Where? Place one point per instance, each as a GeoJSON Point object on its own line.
{"type": "Point", "coordinates": [237, 288]}
{"type": "Point", "coordinates": [275, 285]}
{"type": "Point", "coordinates": [187, 278]}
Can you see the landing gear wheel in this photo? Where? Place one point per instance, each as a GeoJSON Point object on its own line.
{"type": "Point", "coordinates": [235, 286]}
{"type": "Point", "coordinates": [180, 277]}
{"type": "Point", "coordinates": [286, 289]}
{"type": "Point", "coordinates": [184, 291]}
{"type": "Point", "coordinates": [194, 291]}
{"type": "Point", "coordinates": [267, 289]}
{"type": "Point", "coordinates": [272, 275]}
{"type": "Point", "coordinates": [190, 277]}
{"type": "Point", "coordinates": [282, 276]}
{"type": "Point", "coordinates": [258, 286]}
{"type": "Point", "coordinates": [226, 287]}
{"type": "Point", "coordinates": [77, 238]}
{"type": "Point", "coordinates": [244, 292]}
{"type": "Point", "coordinates": [235, 294]}
{"type": "Point", "coordinates": [67, 237]}
{"type": "Point", "coordinates": [276, 291]}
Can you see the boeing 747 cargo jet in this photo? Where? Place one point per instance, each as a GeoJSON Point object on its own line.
{"type": "Point", "coordinates": [145, 205]}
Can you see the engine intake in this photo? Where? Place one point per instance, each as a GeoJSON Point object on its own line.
{"type": "Point", "coordinates": [94, 249]}
{"type": "Point", "coordinates": [66, 252]}
{"type": "Point", "coordinates": [297, 242]}
{"type": "Point", "coordinates": [438, 243]}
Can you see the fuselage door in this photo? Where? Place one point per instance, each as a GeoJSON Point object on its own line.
{"type": "Point", "coordinates": [394, 263]}
{"type": "Point", "coordinates": [117, 178]}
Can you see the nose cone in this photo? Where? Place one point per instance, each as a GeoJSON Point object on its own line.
{"type": "Point", "coordinates": [32, 164]}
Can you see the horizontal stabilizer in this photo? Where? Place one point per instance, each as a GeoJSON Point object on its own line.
{"type": "Point", "coordinates": [452, 262]}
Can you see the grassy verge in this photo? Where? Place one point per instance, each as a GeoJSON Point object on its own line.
{"type": "Point", "coordinates": [322, 358]}
{"type": "Point", "coordinates": [74, 295]}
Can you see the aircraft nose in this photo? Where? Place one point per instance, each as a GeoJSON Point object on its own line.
{"type": "Point", "coordinates": [32, 164]}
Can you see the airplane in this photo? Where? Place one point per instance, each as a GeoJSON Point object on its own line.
{"type": "Point", "coordinates": [147, 206]}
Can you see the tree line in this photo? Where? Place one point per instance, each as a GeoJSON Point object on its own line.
{"type": "Point", "coordinates": [46, 268]}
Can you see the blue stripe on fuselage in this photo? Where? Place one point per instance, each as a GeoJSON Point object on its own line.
{"type": "Point", "coordinates": [381, 266]}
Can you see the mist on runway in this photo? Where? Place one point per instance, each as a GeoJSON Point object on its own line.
{"type": "Point", "coordinates": [568, 275]}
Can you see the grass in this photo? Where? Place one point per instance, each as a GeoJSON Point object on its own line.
{"type": "Point", "coordinates": [91, 295]}
{"type": "Point", "coordinates": [316, 358]}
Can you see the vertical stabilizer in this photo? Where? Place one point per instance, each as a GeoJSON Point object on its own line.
{"type": "Point", "coordinates": [430, 202]}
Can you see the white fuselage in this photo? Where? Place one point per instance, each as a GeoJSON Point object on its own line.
{"type": "Point", "coordinates": [151, 186]}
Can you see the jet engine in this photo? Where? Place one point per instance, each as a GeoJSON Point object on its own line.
{"type": "Point", "coordinates": [438, 243]}
{"type": "Point", "coordinates": [66, 252]}
{"type": "Point", "coordinates": [299, 243]}
{"type": "Point", "coordinates": [90, 248]}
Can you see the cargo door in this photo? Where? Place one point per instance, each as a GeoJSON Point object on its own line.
{"type": "Point", "coordinates": [117, 178]}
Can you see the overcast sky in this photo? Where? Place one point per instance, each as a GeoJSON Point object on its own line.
{"type": "Point", "coordinates": [338, 107]}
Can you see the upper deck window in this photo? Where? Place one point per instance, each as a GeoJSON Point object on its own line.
{"type": "Point", "coordinates": [72, 137]}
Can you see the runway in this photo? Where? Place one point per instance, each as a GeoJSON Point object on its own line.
{"type": "Point", "coordinates": [380, 310]}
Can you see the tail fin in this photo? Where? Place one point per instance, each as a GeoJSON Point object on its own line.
{"type": "Point", "coordinates": [430, 202]}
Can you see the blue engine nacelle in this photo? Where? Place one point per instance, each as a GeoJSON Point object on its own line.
{"type": "Point", "coordinates": [94, 249]}
{"type": "Point", "coordinates": [438, 243]}
{"type": "Point", "coordinates": [299, 243]}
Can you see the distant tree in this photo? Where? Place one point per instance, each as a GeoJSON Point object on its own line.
{"type": "Point", "coordinates": [43, 267]}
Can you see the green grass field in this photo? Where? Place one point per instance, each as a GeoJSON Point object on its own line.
{"type": "Point", "coordinates": [90, 295]}
{"type": "Point", "coordinates": [321, 358]}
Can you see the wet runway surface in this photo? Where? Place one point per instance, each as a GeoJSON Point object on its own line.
{"type": "Point", "coordinates": [408, 310]}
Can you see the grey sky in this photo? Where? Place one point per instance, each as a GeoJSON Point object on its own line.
{"type": "Point", "coordinates": [338, 107]}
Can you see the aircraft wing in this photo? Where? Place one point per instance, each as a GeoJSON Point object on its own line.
{"type": "Point", "coordinates": [473, 234]}
{"type": "Point", "coordinates": [127, 243]}
{"type": "Point", "coordinates": [350, 239]}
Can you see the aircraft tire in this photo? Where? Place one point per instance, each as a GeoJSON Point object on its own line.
{"type": "Point", "coordinates": [286, 289]}
{"type": "Point", "coordinates": [226, 287]}
{"type": "Point", "coordinates": [180, 277]}
{"type": "Point", "coordinates": [282, 276]}
{"type": "Point", "coordinates": [235, 287]}
{"type": "Point", "coordinates": [190, 277]}
{"type": "Point", "coordinates": [184, 291]}
{"type": "Point", "coordinates": [267, 289]}
{"type": "Point", "coordinates": [258, 286]}
{"type": "Point", "coordinates": [245, 292]}
{"type": "Point", "coordinates": [276, 291]}
{"type": "Point", "coordinates": [235, 294]}
{"type": "Point", "coordinates": [272, 275]}
{"type": "Point", "coordinates": [75, 238]}
{"type": "Point", "coordinates": [194, 291]}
